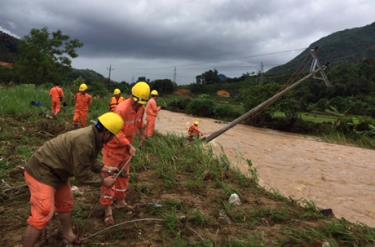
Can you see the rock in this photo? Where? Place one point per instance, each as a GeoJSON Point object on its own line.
{"type": "Point", "coordinates": [234, 199]}
{"type": "Point", "coordinates": [76, 191]}
{"type": "Point", "coordinates": [326, 244]}
{"type": "Point", "coordinates": [328, 212]}
{"type": "Point", "coordinates": [223, 217]}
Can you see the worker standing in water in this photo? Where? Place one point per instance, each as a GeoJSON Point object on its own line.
{"type": "Point", "coordinates": [152, 110]}
{"type": "Point", "coordinates": [83, 103]}
{"type": "Point", "coordinates": [120, 149]}
{"type": "Point", "coordinates": [116, 99]}
{"type": "Point", "coordinates": [57, 96]}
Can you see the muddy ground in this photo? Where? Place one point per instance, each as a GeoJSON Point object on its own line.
{"type": "Point", "coordinates": [333, 176]}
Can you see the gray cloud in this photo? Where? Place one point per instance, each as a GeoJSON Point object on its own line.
{"type": "Point", "coordinates": [158, 35]}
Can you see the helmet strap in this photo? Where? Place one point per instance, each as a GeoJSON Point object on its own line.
{"type": "Point", "coordinates": [99, 126]}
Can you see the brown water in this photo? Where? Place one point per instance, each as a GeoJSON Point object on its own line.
{"type": "Point", "coordinates": [333, 176]}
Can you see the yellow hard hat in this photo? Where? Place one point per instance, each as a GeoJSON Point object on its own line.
{"type": "Point", "coordinates": [196, 122]}
{"type": "Point", "coordinates": [116, 91]}
{"type": "Point", "coordinates": [154, 93]}
{"type": "Point", "coordinates": [83, 87]}
{"type": "Point", "coordinates": [141, 92]}
{"type": "Point", "coordinates": [112, 122]}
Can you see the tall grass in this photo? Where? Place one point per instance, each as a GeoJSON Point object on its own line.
{"type": "Point", "coordinates": [16, 101]}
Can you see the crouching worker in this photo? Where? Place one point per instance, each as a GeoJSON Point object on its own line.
{"type": "Point", "coordinates": [47, 174]}
{"type": "Point", "coordinates": [194, 131]}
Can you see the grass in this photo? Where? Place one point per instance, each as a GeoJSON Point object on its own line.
{"type": "Point", "coordinates": [309, 117]}
{"type": "Point", "coordinates": [339, 138]}
{"type": "Point", "coordinates": [188, 187]}
{"type": "Point", "coordinates": [16, 101]}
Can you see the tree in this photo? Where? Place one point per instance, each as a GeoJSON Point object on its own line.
{"type": "Point", "coordinates": [164, 86]}
{"type": "Point", "coordinates": [208, 77]}
{"type": "Point", "coordinates": [45, 56]}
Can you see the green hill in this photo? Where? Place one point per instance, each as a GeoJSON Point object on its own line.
{"type": "Point", "coordinates": [349, 46]}
{"type": "Point", "coordinates": [8, 47]}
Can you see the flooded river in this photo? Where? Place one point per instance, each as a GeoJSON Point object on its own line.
{"type": "Point", "coordinates": [333, 176]}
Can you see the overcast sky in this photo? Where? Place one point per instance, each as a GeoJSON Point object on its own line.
{"type": "Point", "coordinates": [152, 37]}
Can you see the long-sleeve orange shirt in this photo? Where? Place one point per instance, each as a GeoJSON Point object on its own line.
{"type": "Point", "coordinates": [114, 102]}
{"type": "Point", "coordinates": [56, 93]}
{"type": "Point", "coordinates": [83, 101]}
{"type": "Point", "coordinates": [133, 120]}
{"type": "Point", "coordinates": [194, 131]}
{"type": "Point", "coordinates": [152, 108]}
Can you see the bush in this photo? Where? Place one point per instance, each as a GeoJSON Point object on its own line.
{"type": "Point", "coordinates": [178, 104]}
{"type": "Point", "coordinates": [227, 111]}
{"type": "Point", "coordinates": [202, 107]}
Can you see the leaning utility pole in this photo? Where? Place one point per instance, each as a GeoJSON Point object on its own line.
{"type": "Point", "coordinates": [316, 72]}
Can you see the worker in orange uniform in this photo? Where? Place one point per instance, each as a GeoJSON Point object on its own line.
{"type": "Point", "coordinates": [194, 131]}
{"type": "Point", "coordinates": [57, 96]}
{"type": "Point", "coordinates": [118, 151]}
{"type": "Point", "coordinates": [116, 99]}
{"type": "Point", "coordinates": [47, 174]}
{"type": "Point", "coordinates": [152, 110]}
{"type": "Point", "coordinates": [83, 103]}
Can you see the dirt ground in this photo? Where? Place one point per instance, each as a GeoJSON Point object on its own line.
{"type": "Point", "coordinates": [333, 176]}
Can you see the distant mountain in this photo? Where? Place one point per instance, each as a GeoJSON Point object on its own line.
{"type": "Point", "coordinates": [349, 46]}
{"type": "Point", "coordinates": [9, 50]}
{"type": "Point", "coordinates": [8, 47]}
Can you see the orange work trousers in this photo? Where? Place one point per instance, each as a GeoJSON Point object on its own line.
{"type": "Point", "coordinates": [56, 107]}
{"type": "Point", "coordinates": [45, 200]}
{"type": "Point", "coordinates": [118, 191]}
{"type": "Point", "coordinates": [150, 128]}
{"type": "Point", "coordinates": [80, 117]}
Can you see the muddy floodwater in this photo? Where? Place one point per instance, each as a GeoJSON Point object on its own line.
{"type": "Point", "coordinates": [333, 176]}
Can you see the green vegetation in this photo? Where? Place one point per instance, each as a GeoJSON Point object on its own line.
{"type": "Point", "coordinates": [181, 183]}
{"type": "Point", "coordinates": [44, 56]}
{"type": "Point", "coordinates": [8, 47]}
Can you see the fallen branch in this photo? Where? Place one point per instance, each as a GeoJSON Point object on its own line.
{"type": "Point", "coordinates": [45, 133]}
{"type": "Point", "coordinates": [16, 190]}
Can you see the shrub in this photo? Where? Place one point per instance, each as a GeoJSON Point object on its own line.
{"type": "Point", "coordinates": [227, 111]}
{"type": "Point", "coordinates": [202, 107]}
{"type": "Point", "coordinates": [178, 104]}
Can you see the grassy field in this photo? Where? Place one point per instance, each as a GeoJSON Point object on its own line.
{"type": "Point", "coordinates": [181, 187]}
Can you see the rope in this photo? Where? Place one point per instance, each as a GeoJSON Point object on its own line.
{"type": "Point", "coordinates": [119, 224]}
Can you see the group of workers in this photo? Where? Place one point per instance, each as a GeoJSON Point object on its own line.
{"type": "Point", "coordinates": [74, 154]}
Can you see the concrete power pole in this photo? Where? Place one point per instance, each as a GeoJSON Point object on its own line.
{"type": "Point", "coordinates": [174, 75]}
{"type": "Point", "coordinates": [261, 76]}
{"type": "Point", "coordinates": [109, 74]}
